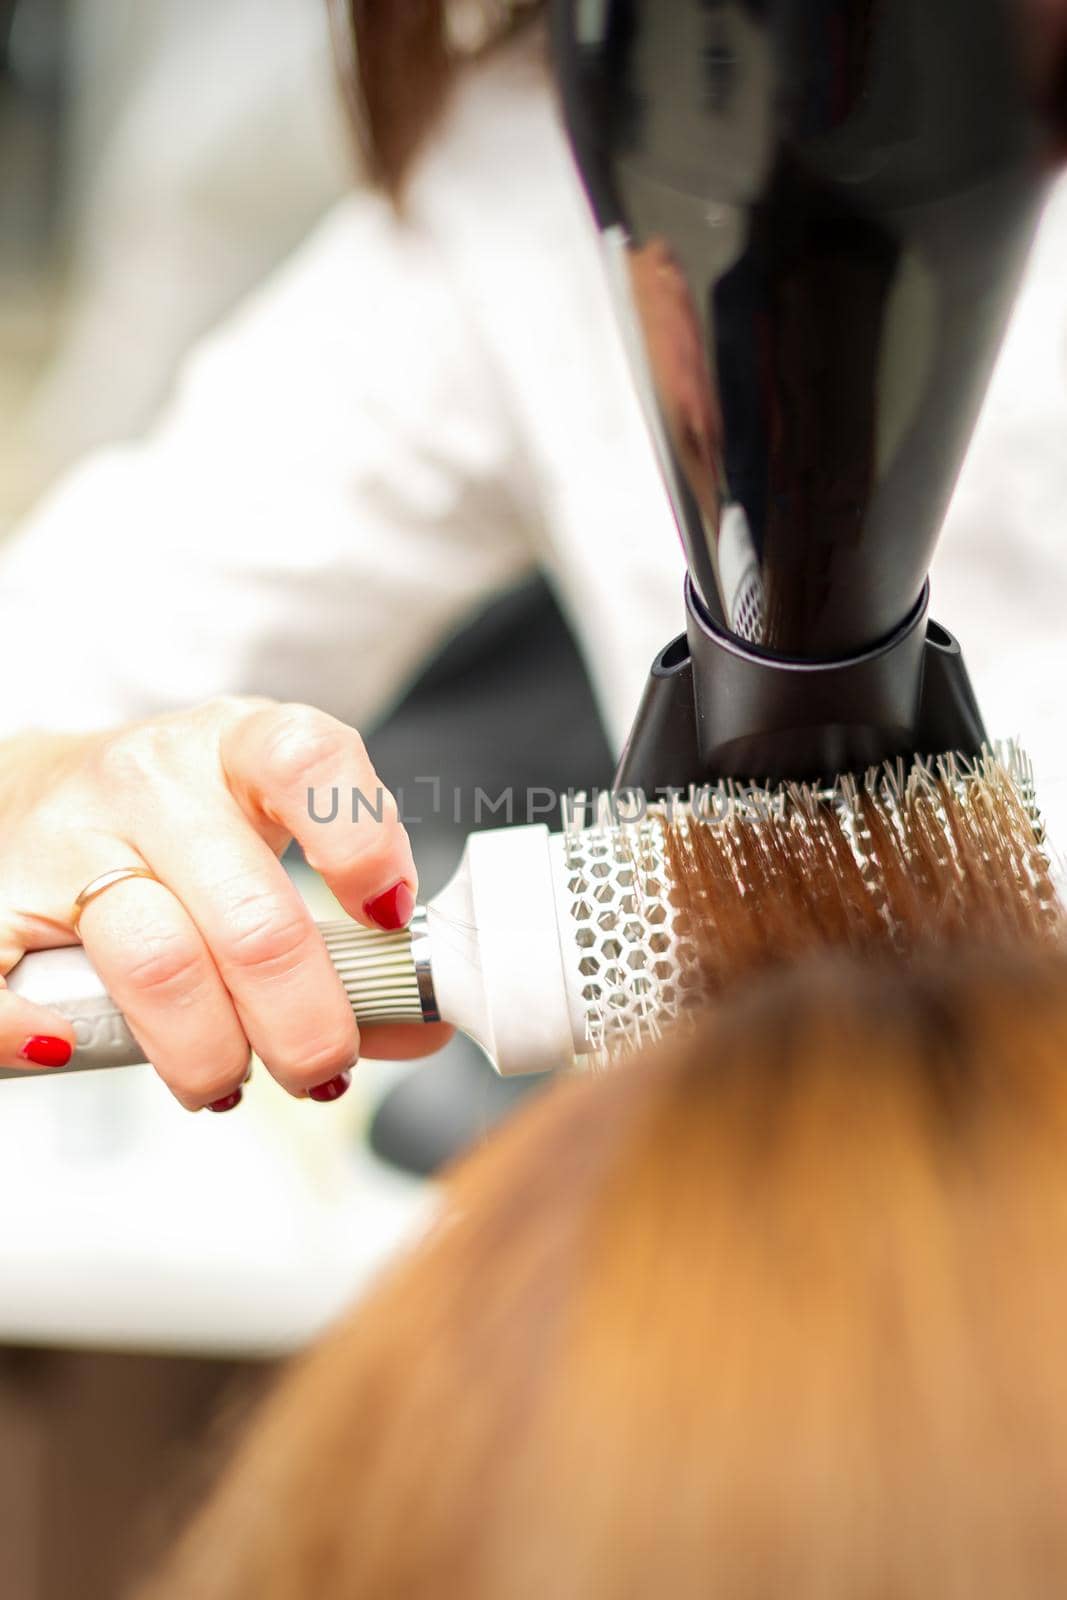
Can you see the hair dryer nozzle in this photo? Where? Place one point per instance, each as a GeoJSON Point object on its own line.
{"type": "Point", "coordinates": [817, 213]}
{"type": "Point", "coordinates": [714, 709]}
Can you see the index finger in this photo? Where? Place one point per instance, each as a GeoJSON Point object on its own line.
{"type": "Point", "coordinates": [311, 773]}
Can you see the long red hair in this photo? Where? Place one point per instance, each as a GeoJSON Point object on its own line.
{"type": "Point", "coordinates": [781, 1310]}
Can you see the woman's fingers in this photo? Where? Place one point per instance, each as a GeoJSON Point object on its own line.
{"type": "Point", "coordinates": [261, 936]}
{"type": "Point", "coordinates": [156, 965]}
{"type": "Point", "coordinates": [220, 953]}
{"type": "Point", "coordinates": [310, 774]}
{"type": "Point", "coordinates": [32, 1038]}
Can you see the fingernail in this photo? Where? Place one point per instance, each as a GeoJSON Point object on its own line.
{"type": "Point", "coordinates": [227, 1102]}
{"type": "Point", "coordinates": [46, 1051]}
{"type": "Point", "coordinates": [391, 910]}
{"type": "Point", "coordinates": [332, 1090]}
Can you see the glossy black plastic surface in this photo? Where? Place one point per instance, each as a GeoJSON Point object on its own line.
{"type": "Point", "coordinates": [817, 212]}
{"type": "Point", "coordinates": [713, 709]}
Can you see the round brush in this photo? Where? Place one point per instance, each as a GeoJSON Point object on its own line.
{"type": "Point", "coordinates": [549, 947]}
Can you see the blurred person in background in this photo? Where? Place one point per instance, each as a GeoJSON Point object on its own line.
{"type": "Point", "coordinates": [379, 443]}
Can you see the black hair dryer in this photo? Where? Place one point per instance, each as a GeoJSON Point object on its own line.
{"type": "Point", "coordinates": [817, 213]}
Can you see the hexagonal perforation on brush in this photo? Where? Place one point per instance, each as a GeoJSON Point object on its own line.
{"type": "Point", "coordinates": [635, 962]}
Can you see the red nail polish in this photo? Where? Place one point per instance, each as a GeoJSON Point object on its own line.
{"type": "Point", "coordinates": [46, 1051]}
{"type": "Point", "coordinates": [332, 1090]}
{"type": "Point", "coordinates": [391, 910]}
{"type": "Point", "coordinates": [227, 1102]}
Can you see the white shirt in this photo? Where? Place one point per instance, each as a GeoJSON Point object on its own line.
{"type": "Point", "coordinates": [419, 409]}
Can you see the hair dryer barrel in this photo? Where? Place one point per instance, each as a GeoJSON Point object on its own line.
{"type": "Point", "coordinates": [818, 211]}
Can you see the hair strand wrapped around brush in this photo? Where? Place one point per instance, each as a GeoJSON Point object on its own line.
{"type": "Point", "coordinates": [942, 852]}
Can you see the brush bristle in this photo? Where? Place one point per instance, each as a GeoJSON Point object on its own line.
{"type": "Point", "coordinates": [939, 852]}
{"type": "Point", "coordinates": [945, 851]}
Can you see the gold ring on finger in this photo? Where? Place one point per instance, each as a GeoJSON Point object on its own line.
{"type": "Point", "coordinates": [100, 885]}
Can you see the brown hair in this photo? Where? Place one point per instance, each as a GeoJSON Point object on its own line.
{"type": "Point", "coordinates": [397, 66]}
{"type": "Point", "coordinates": [942, 852]}
{"type": "Point", "coordinates": [779, 1311]}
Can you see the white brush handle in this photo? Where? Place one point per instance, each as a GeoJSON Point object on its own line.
{"type": "Point", "coordinates": [386, 978]}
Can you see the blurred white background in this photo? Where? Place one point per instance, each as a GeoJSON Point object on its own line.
{"type": "Point", "coordinates": [160, 156]}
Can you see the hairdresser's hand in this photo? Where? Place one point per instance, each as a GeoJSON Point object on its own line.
{"type": "Point", "coordinates": [221, 953]}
